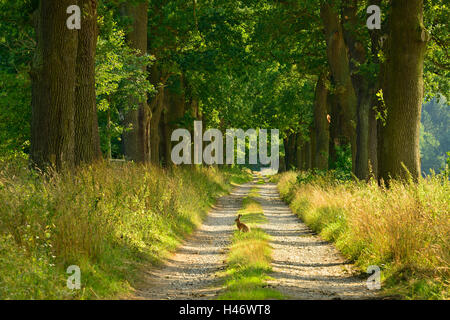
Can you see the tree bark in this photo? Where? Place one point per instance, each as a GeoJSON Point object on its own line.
{"type": "Point", "coordinates": [361, 85]}
{"type": "Point", "coordinates": [196, 113]}
{"type": "Point", "coordinates": [87, 139]}
{"type": "Point", "coordinates": [154, 126]}
{"type": "Point", "coordinates": [108, 135]}
{"type": "Point", "coordinates": [298, 151]}
{"type": "Point", "coordinates": [137, 140]}
{"type": "Point", "coordinates": [340, 68]}
{"type": "Point", "coordinates": [312, 148]}
{"type": "Point", "coordinates": [53, 77]}
{"type": "Point", "coordinates": [362, 155]}
{"type": "Point", "coordinates": [174, 112]}
{"type": "Point", "coordinates": [373, 153]}
{"type": "Point", "coordinates": [321, 125]}
{"type": "Point", "coordinates": [287, 151]}
{"type": "Point", "coordinates": [403, 91]}
{"type": "Point", "coordinates": [306, 155]}
{"type": "Point", "coordinates": [291, 154]}
{"type": "Point", "coordinates": [375, 36]}
{"type": "Point", "coordinates": [335, 130]}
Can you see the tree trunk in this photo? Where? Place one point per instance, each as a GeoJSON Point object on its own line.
{"type": "Point", "coordinates": [321, 125]}
{"type": "Point", "coordinates": [403, 91]}
{"type": "Point", "coordinates": [282, 167]}
{"type": "Point", "coordinates": [53, 77]}
{"type": "Point", "coordinates": [160, 100]}
{"type": "Point", "coordinates": [340, 69]}
{"type": "Point", "coordinates": [373, 124]}
{"type": "Point", "coordinates": [167, 145]}
{"type": "Point", "coordinates": [373, 155]}
{"type": "Point", "coordinates": [306, 155]}
{"type": "Point", "coordinates": [291, 154]}
{"type": "Point", "coordinates": [362, 155]}
{"type": "Point", "coordinates": [137, 140]}
{"type": "Point", "coordinates": [87, 139]}
{"type": "Point", "coordinates": [335, 130]}
{"type": "Point", "coordinates": [298, 151]}
{"type": "Point", "coordinates": [287, 155]}
{"type": "Point", "coordinates": [363, 90]}
{"type": "Point", "coordinates": [174, 113]}
{"type": "Point", "coordinates": [196, 113]}
{"type": "Point", "coordinates": [312, 148]}
{"type": "Point", "coordinates": [108, 134]}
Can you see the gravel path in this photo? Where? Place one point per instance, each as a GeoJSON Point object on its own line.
{"type": "Point", "coordinates": [191, 272]}
{"type": "Point", "coordinates": [304, 266]}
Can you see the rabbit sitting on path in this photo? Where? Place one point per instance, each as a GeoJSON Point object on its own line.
{"type": "Point", "coordinates": [241, 226]}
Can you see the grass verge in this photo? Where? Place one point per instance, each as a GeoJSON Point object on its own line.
{"type": "Point", "coordinates": [405, 229]}
{"type": "Point", "coordinates": [110, 220]}
{"type": "Point", "coordinates": [249, 259]}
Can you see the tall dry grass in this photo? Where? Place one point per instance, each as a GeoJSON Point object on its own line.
{"type": "Point", "coordinates": [109, 219]}
{"type": "Point", "coordinates": [404, 229]}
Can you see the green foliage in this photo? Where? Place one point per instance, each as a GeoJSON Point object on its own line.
{"type": "Point", "coordinates": [437, 61]}
{"type": "Point", "coordinates": [16, 48]}
{"type": "Point", "coordinates": [15, 112]}
{"type": "Point", "coordinates": [122, 81]}
{"type": "Point", "coordinates": [343, 162]}
{"type": "Point", "coordinates": [434, 135]}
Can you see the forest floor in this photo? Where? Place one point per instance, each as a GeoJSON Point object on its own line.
{"type": "Point", "coordinates": [303, 265]}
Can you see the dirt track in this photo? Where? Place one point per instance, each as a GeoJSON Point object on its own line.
{"type": "Point", "coordinates": [304, 266]}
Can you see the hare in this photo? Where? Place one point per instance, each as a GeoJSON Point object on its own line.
{"type": "Point", "coordinates": [241, 226]}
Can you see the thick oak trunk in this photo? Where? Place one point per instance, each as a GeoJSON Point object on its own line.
{"type": "Point", "coordinates": [286, 153]}
{"type": "Point", "coordinates": [174, 112]}
{"type": "Point", "coordinates": [362, 155]}
{"type": "Point", "coordinates": [298, 151]}
{"type": "Point", "coordinates": [340, 68]}
{"type": "Point", "coordinates": [312, 139]}
{"type": "Point", "coordinates": [137, 140]}
{"type": "Point", "coordinates": [403, 91]}
{"type": "Point", "coordinates": [87, 139]}
{"type": "Point", "coordinates": [290, 151]}
{"type": "Point", "coordinates": [363, 89]}
{"type": "Point", "coordinates": [376, 45]}
{"type": "Point", "coordinates": [335, 130]}
{"type": "Point", "coordinates": [321, 125]}
{"type": "Point", "coordinates": [373, 153]}
{"type": "Point", "coordinates": [159, 102]}
{"type": "Point", "coordinates": [53, 86]}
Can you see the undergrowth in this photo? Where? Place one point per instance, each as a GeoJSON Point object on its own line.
{"type": "Point", "coordinates": [404, 229]}
{"type": "Point", "coordinates": [109, 219]}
